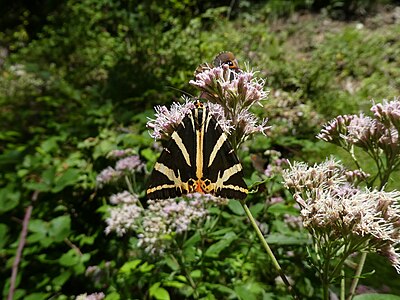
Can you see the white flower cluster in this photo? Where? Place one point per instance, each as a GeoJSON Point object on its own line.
{"type": "Point", "coordinates": [165, 218]}
{"type": "Point", "coordinates": [160, 220]}
{"type": "Point", "coordinates": [332, 209]}
{"type": "Point", "coordinates": [126, 165]}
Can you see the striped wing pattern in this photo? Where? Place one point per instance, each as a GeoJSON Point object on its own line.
{"type": "Point", "coordinates": [197, 158]}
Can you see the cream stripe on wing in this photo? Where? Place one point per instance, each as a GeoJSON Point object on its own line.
{"type": "Point", "coordinates": [228, 173]}
{"type": "Point", "coordinates": [167, 172]}
{"type": "Point", "coordinates": [217, 147]}
{"type": "Point", "coordinates": [175, 136]}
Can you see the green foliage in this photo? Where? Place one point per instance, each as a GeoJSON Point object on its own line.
{"type": "Point", "coordinates": [79, 79]}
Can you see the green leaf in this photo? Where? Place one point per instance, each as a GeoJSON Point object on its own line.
{"type": "Point", "coordinates": [69, 259]}
{"type": "Point", "coordinates": [376, 297]}
{"type": "Point", "coordinates": [195, 274]}
{"type": "Point", "coordinates": [282, 208]}
{"type": "Point", "coordinates": [172, 263]}
{"type": "Point", "coordinates": [9, 198]}
{"type": "Point", "coordinates": [236, 207]}
{"type": "Point", "coordinates": [37, 296]}
{"type": "Point", "coordinates": [48, 176]}
{"type": "Point", "coordinates": [215, 249]}
{"type": "Point", "coordinates": [69, 177]}
{"type": "Point", "coordinates": [129, 266]}
{"type": "Point", "coordinates": [174, 284]}
{"type": "Point", "coordinates": [146, 267]}
{"type": "Point", "coordinates": [112, 296]}
{"type": "Point", "coordinates": [60, 228]}
{"type": "Point", "coordinates": [149, 155]}
{"type": "Point", "coordinates": [256, 209]}
{"type": "Point", "coordinates": [3, 235]}
{"type": "Point", "coordinates": [37, 186]}
{"type": "Point", "coordinates": [62, 278]}
{"type": "Point", "coordinates": [158, 292]}
{"type": "Point", "coordinates": [38, 226]}
{"type": "Point", "coordinates": [194, 239]}
{"type": "Point", "coordinates": [297, 238]}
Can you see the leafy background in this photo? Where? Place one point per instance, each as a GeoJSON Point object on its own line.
{"type": "Point", "coordinates": [80, 78]}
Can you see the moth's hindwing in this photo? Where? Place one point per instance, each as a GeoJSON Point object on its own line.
{"type": "Point", "coordinates": [198, 157]}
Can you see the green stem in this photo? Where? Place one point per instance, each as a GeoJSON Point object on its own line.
{"type": "Point", "coordinates": [357, 276]}
{"type": "Point", "coordinates": [181, 263]}
{"type": "Point", "coordinates": [268, 250]}
{"type": "Point", "coordinates": [342, 285]}
{"type": "Point", "coordinates": [130, 189]}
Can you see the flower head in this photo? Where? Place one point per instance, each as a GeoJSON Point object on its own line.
{"type": "Point", "coordinates": [124, 197]}
{"type": "Point", "coordinates": [130, 164]}
{"type": "Point", "coordinates": [233, 90]}
{"type": "Point", "coordinates": [120, 153]}
{"type": "Point", "coordinates": [108, 175]}
{"type": "Point", "coordinates": [334, 210]}
{"type": "Point", "coordinates": [167, 120]}
{"type": "Point", "coordinates": [164, 218]}
{"type": "Point", "coordinates": [94, 296]}
{"type": "Point", "coordinates": [123, 218]}
{"type": "Point", "coordinates": [388, 112]}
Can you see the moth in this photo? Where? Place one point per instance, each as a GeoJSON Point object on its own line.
{"type": "Point", "coordinates": [197, 158]}
{"type": "Point", "coordinates": [225, 57]}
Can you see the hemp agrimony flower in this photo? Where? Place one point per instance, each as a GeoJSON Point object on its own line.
{"type": "Point", "coordinates": [342, 218]}
{"type": "Point", "coordinates": [167, 120]}
{"type": "Point", "coordinates": [162, 220]}
{"type": "Point", "coordinates": [378, 136]}
{"type": "Point", "coordinates": [126, 165]}
{"type": "Point", "coordinates": [230, 95]}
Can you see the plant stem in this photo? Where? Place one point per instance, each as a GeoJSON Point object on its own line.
{"type": "Point", "coordinates": [20, 248]}
{"type": "Point", "coordinates": [354, 283]}
{"type": "Point", "coordinates": [268, 250]}
{"type": "Point", "coordinates": [342, 285]}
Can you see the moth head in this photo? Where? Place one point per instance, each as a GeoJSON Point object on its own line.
{"type": "Point", "coordinates": [226, 58]}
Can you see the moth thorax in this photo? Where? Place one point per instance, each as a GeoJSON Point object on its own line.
{"type": "Point", "coordinates": [203, 186]}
